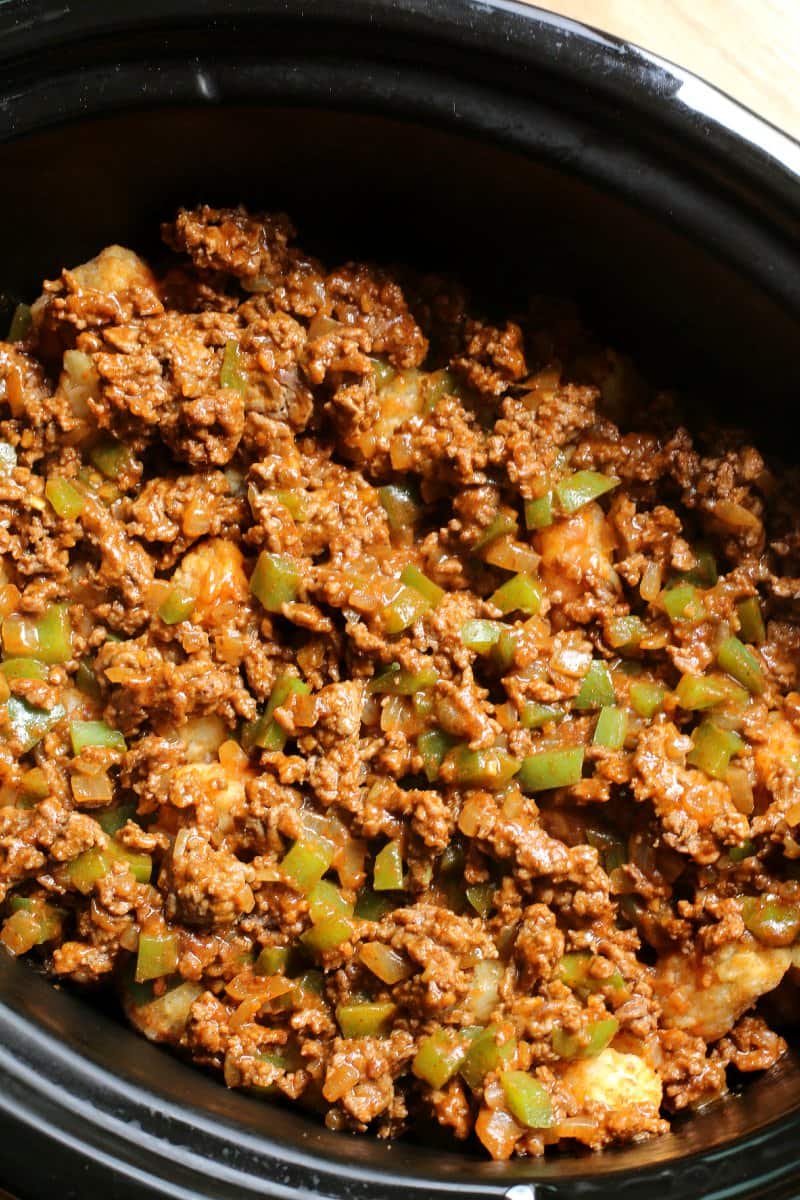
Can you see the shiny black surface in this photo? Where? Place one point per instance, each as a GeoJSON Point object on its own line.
{"type": "Point", "coordinates": [514, 147]}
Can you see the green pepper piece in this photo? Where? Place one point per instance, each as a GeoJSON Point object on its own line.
{"type": "Point", "coordinates": [404, 609]}
{"type": "Point", "coordinates": [8, 458]}
{"type": "Point", "coordinates": [328, 934]}
{"type": "Point", "coordinates": [522, 593]}
{"type": "Point", "coordinates": [704, 573]}
{"type": "Point", "coordinates": [713, 749]}
{"type": "Point", "coordinates": [382, 371]}
{"type": "Point", "coordinates": [492, 768]}
{"type": "Point", "coordinates": [740, 662]}
{"type": "Point", "coordinates": [682, 603]}
{"type": "Point", "coordinates": [111, 820]}
{"type": "Point", "coordinates": [505, 648]}
{"type": "Point", "coordinates": [738, 853]}
{"type": "Point", "coordinates": [401, 503]}
{"type": "Point", "coordinates": [21, 323]}
{"type": "Point", "coordinates": [157, 956]}
{"type": "Point", "coordinates": [94, 733]}
{"type": "Point", "coordinates": [369, 1019]}
{"type": "Point", "coordinates": [583, 486]}
{"type": "Point", "coordinates": [698, 692]}
{"type": "Point", "coordinates": [230, 373]}
{"type": "Point", "coordinates": [481, 897]}
{"type": "Point", "coordinates": [86, 680]}
{"type": "Point", "coordinates": [178, 606]}
{"type": "Point", "coordinates": [28, 724]}
{"type": "Point", "coordinates": [414, 578]}
{"type": "Point", "coordinates": [275, 581]}
{"type": "Point", "coordinates": [54, 635]}
{"type": "Point", "coordinates": [534, 715]}
{"type": "Point", "coordinates": [646, 698]}
{"type": "Point", "coordinates": [139, 865]}
{"type": "Point", "coordinates": [325, 900]}
{"type": "Point", "coordinates": [84, 871]}
{"type": "Point", "coordinates": [395, 681]}
{"type": "Point", "coordinates": [597, 689]}
{"type": "Point", "coordinates": [24, 668]}
{"type": "Point", "coordinates": [551, 769]}
{"type": "Point", "coordinates": [751, 622]}
{"type": "Point", "coordinates": [772, 921]}
{"type": "Point", "coordinates": [272, 960]}
{"type": "Point", "coordinates": [439, 1057]}
{"type": "Point", "coordinates": [387, 875]}
{"type": "Point", "coordinates": [611, 728]}
{"type": "Point", "coordinates": [485, 1055]}
{"type": "Point", "coordinates": [528, 1100]}
{"type": "Point", "coordinates": [265, 732]}
{"type": "Point", "coordinates": [480, 635]}
{"type": "Point", "coordinates": [539, 513]}
{"type": "Point", "coordinates": [433, 746]}
{"type": "Point", "coordinates": [307, 862]}
{"type": "Point", "coordinates": [371, 905]}
{"type": "Point", "coordinates": [574, 971]}
{"type": "Point", "coordinates": [596, 1037]}
{"type": "Point", "coordinates": [35, 784]}
{"type": "Point", "coordinates": [66, 500]}
{"type": "Point", "coordinates": [503, 523]}
{"type": "Point", "coordinates": [110, 457]}
{"type": "Point", "coordinates": [625, 633]}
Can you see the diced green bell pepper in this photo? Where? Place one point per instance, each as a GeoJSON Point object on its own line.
{"type": "Point", "coordinates": [328, 933]}
{"type": "Point", "coordinates": [528, 1100]}
{"type": "Point", "coordinates": [480, 635]}
{"type": "Point", "coordinates": [503, 523]}
{"type": "Point", "coordinates": [24, 668]}
{"type": "Point", "coordinates": [94, 733]}
{"type": "Point", "coordinates": [611, 728]}
{"type": "Point", "coordinates": [522, 593]}
{"type": "Point", "coordinates": [439, 1057]}
{"type": "Point", "coordinates": [414, 578]}
{"type": "Point", "coordinates": [485, 1054]}
{"type": "Point", "coordinates": [646, 698]}
{"type": "Point", "coordinates": [572, 1045]}
{"type": "Point", "coordinates": [539, 512]}
{"type": "Point", "coordinates": [157, 956]}
{"type": "Point", "coordinates": [396, 681]}
{"type": "Point", "coordinates": [751, 621]}
{"type": "Point", "coordinates": [387, 873]}
{"type": "Point", "coordinates": [65, 498]}
{"type": "Point", "coordinates": [772, 921]}
{"type": "Point", "coordinates": [551, 769]}
{"type": "Point", "coordinates": [535, 715]}
{"type": "Point", "coordinates": [231, 374]}
{"type": "Point", "coordinates": [597, 689]}
{"type": "Point", "coordinates": [177, 606]}
{"type": "Point", "coordinates": [625, 633]}
{"type": "Point", "coordinates": [740, 662]}
{"type": "Point", "coordinates": [433, 747]}
{"type": "Point", "coordinates": [481, 897]}
{"type": "Point", "coordinates": [371, 1018]}
{"type": "Point", "coordinates": [28, 724]}
{"type": "Point", "coordinates": [492, 768]}
{"type": "Point", "coordinates": [683, 603]}
{"type": "Point", "coordinates": [275, 581]}
{"type": "Point", "coordinates": [713, 749]}
{"type": "Point", "coordinates": [402, 505]}
{"type": "Point", "coordinates": [404, 609]}
{"type": "Point", "coordinates": [580, 488]}
{"type": "Point", "coordinates": [307, 862]}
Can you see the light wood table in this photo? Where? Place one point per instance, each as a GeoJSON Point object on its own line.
{"type": "Point", "coordinates": [749, 48]}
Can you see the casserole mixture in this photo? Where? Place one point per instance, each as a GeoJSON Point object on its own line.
{"type": "Point", "coordinates": [397, 731]}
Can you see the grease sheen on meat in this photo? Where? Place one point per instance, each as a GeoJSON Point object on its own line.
{"type": "Point", "coordinates": [399, 709]}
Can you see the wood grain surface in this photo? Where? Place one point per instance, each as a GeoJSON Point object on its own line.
{"type": "Point", "coordinates": [749, 48]}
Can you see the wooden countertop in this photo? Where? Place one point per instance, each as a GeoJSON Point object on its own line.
{"type": "Point", "coordinates": [748, 48]}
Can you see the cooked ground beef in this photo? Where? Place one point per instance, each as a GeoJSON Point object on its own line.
{"type": "Point", "coordinates": [400, 710]}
